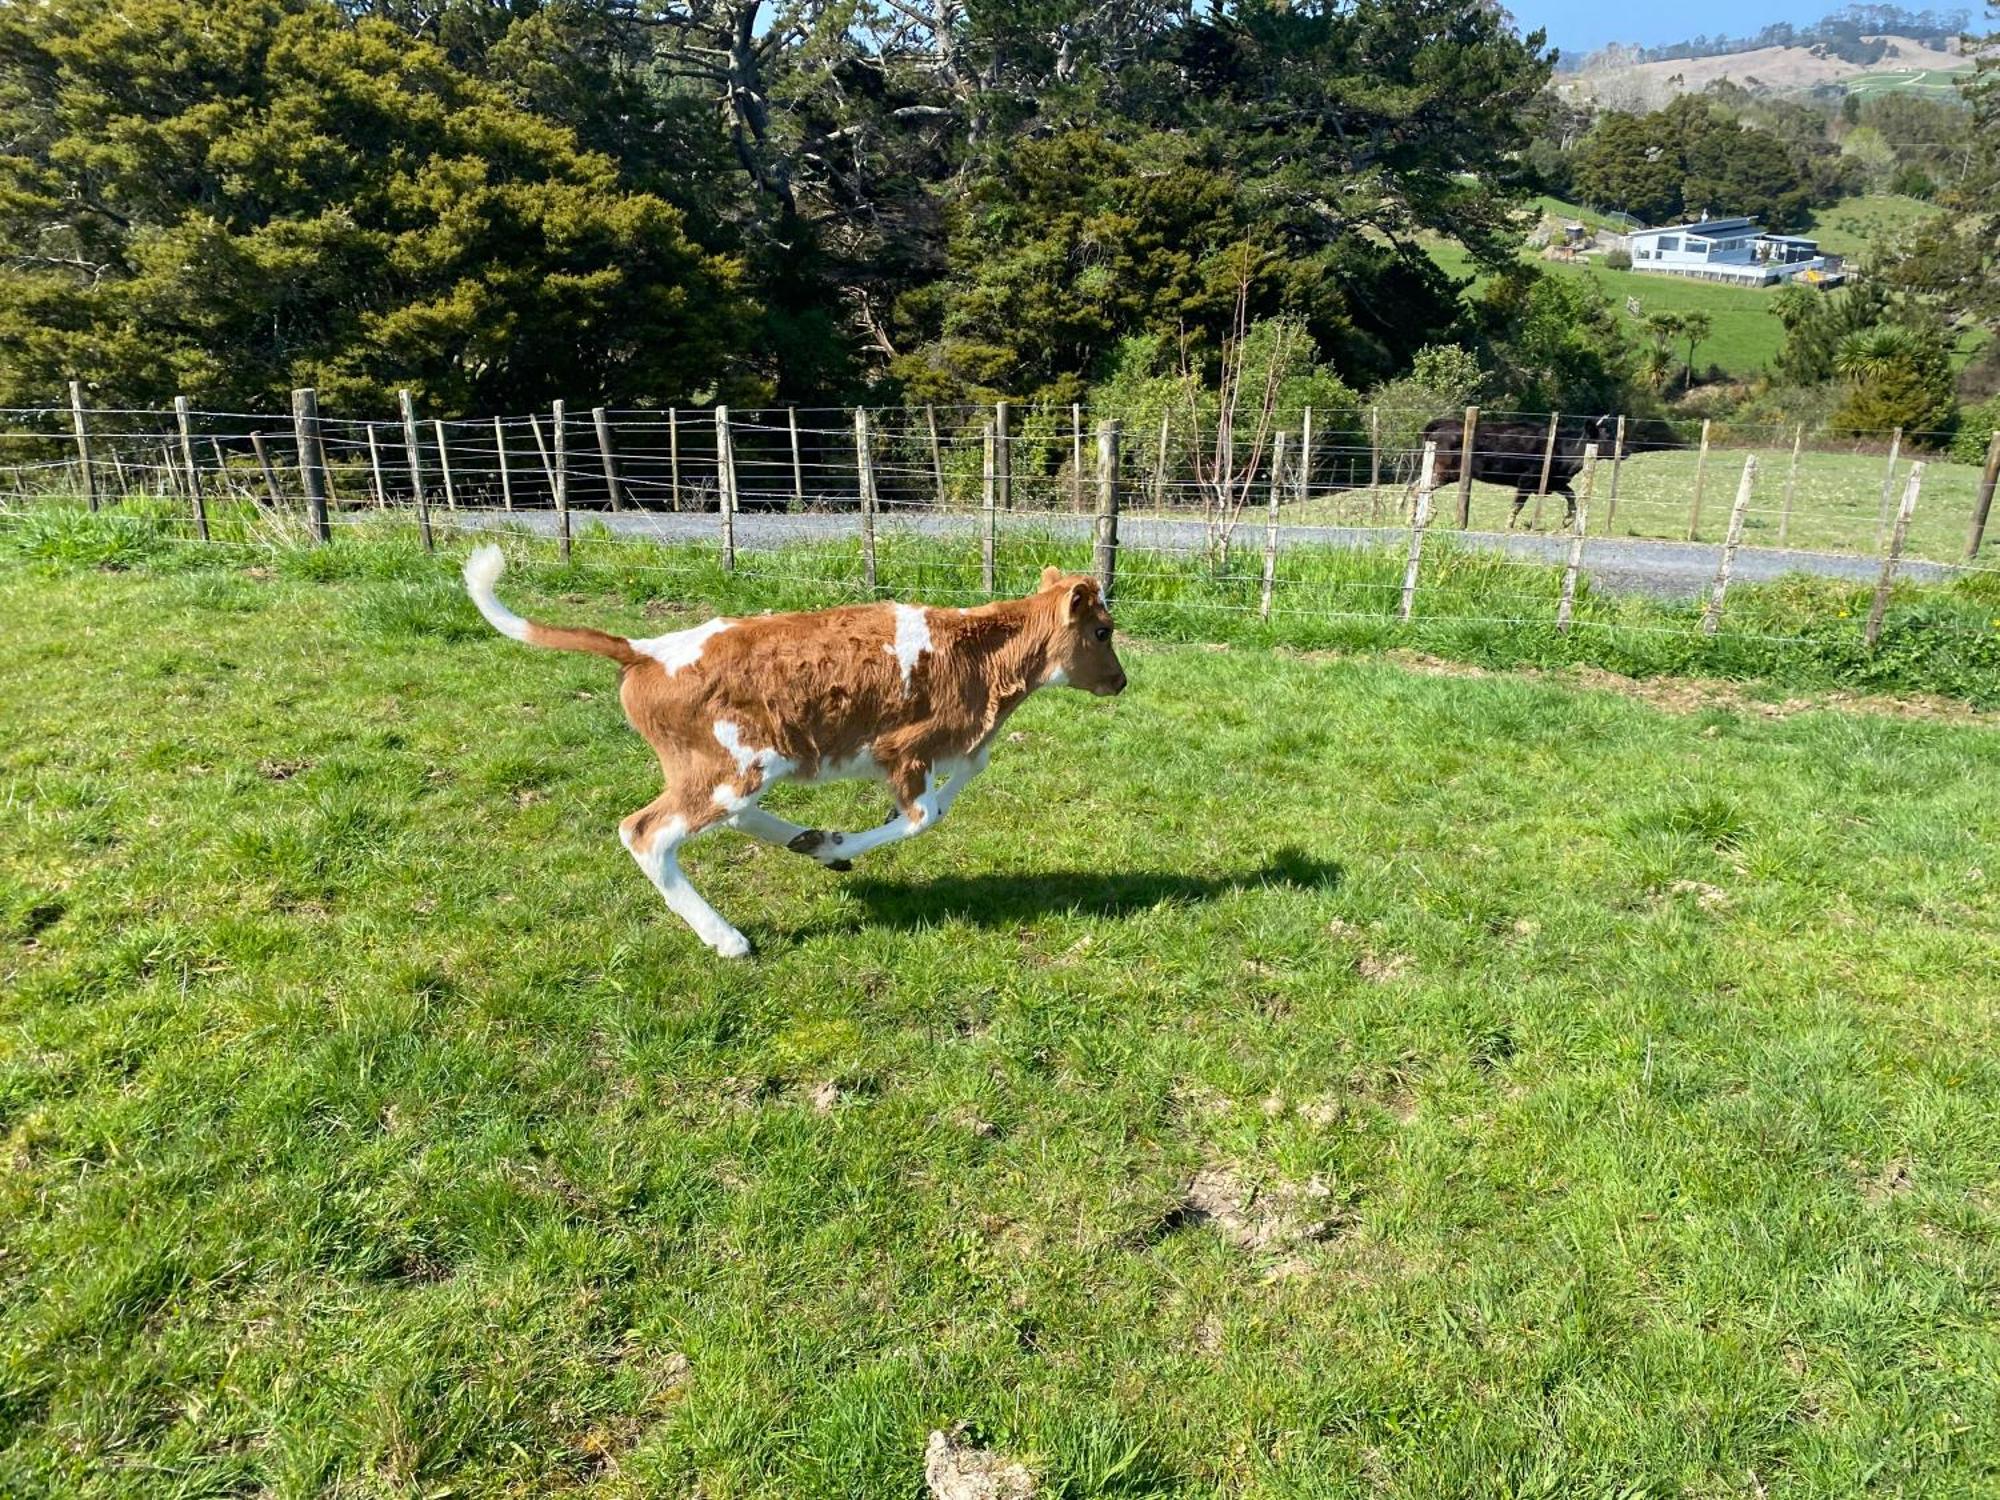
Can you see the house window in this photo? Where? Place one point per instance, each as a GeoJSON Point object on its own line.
{"type": "Point", "coordinates": [1669, 242]}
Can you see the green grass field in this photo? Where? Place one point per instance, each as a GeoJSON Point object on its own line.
{"type": "Point", "coordinates": [1744, 339]}
{"type": "Point", "coordinates": [1585, 1098]}
{"type": "Point", "coordinates": [1852, 226]}
{"type": "Point", "coordinates": [1938, 82]}
{"type": "Point", "coordinates": [1836, 499]}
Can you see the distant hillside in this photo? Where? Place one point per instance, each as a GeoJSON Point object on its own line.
{"type": "Point", "coordinates": [1903, 62]}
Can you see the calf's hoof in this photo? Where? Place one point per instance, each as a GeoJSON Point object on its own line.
{"type": "Point", "coordinates": [817, 843]}
{"type": "Point", "coordinates": [732, 945]}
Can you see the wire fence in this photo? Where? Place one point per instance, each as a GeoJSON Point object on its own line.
{"type": "Point", "coordinates": [1255, 509]}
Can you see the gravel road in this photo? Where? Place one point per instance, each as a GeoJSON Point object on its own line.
{"type": "Point", "coordinates": [1664, 570]}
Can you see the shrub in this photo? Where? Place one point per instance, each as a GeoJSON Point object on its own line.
{"type": "Point", "coordinates": [1976, 426]}
{"type": "Point", "coordinates": [1618, 260]}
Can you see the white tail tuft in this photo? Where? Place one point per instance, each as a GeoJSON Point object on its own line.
{"type": "Point", "coordinates": [482, 572]}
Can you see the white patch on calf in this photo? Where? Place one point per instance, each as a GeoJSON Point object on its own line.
{"type": "Point", "coordinates": [770, 762]}
{"type": "Point", "coordinates": [913, 639]}
{"type": "Point", "coordinates": [684, 647]}
{"type": "Point", "coordinates": [1058, 678]}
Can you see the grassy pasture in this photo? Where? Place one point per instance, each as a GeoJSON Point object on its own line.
{"type": "Point", "coordinates": [371, 1130]}
{"type": "Point", "coordinates": [1744, 338]}
{"type": "Point", "coordinates": [1852, 226]}
{"type": "Point", "coordinates": [1942, 83]}
{"type": "Point", "coordinates": [1835, 502]}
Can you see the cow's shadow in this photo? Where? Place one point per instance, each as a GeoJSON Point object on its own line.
{"type": "Point", "coordinates": [1004, 899]}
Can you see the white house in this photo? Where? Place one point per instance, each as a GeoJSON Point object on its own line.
{"type": "Point", "coordinates": [1725, 250]}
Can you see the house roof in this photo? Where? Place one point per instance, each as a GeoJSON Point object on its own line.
{"type": "Point", "coordinates": [1788, 239]}
{"type": "Point", "coordinates": [1704, 226]}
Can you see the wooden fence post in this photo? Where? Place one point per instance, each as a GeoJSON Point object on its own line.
{"type": "Point", "coordinates": [1304, 485]}
{"type": "Point", "coordinates": [1160, 463]}
{"type": "Point", "coordinates": [674, 454]}
{"type": "Point", "coordinates": [1003, 457]}
{"type": "Point", "coordinates": [82, 444]}
{"type": "Point", "coordinates": [986, 494]}
{"type": "Point", "coordinates": [798, 468]}
{"type": "Point", "coordinates": [1700, 475]}
{"type": "Point", "coordinates": [1467, 437]}
{"type": "Point", "coordinates": [1548, 467]}
{"type": "Point", "coordinates": [725, 486]}
{"type": "Point", "coordinates": [1982, 505]}
{"type": "Point", "coordinates": [312, 459]}
{"type": "Point", "coordinates": [1271, 528]}
{"type": "Point", "coordinates": [169, 471]}
{"type": "Point", "coordinates": [119, 484]}
{"type": "Point", "coordinates": [1374, 464]}
{"type": "Point", "coordinates": [1888, 487]}
{"type": "Point", "coordinates": [1566, 606]}
{"type": "Point", "coordinates": [444, 464]}
{"type": "Point", "coordinates": [415, 455]}
{"type": "Point", "coordinates": [500, 453]}
{"type": "Point", "coordinates": [270, 477]}
{"type": "Point", "coordinates": [559, 441]}
{"type": "Point", "coordinates": [542, 451]}
{"type": "Point", "coordinates": [1426, 481]}
{"type": "Point", "coordinates": [1895, 554]}
{"type": "Point", "coordinates": [937, 453]}
{"type": "Point", "coordinates": [1107, 508]}
{"type": "Point", "coordinates": [1791, 484]}
{"type": "Point", "coordinates": [374, 468]}
{"type": "Point", "coordinates": [1617, 463]}
{"type": "Point", "coordinates": [864, 464]}
{"type": "Point", "coordinates": [1305, 455]}
{"type": "Point", "coordinates": [602, 421]}
{"type": "Point", "coordinates": [1076, 455]}
{"type": "Point", "coordinates": [1711, 619]}
{"type": "Point", "coordinates": [186, 423]}
{"type": "Point", "coordinates": [221, 465]}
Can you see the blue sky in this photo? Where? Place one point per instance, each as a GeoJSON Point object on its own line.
{"type": "Point", "coordinates": [1579, 26]}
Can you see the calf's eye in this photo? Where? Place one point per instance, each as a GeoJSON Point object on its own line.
{"type": "Point", "coordinates": [1104, 632]}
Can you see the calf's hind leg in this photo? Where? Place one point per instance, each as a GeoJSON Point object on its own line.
{"type": "Point", "coordinates": [654, 835]}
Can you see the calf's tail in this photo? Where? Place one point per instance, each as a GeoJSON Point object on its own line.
{"type": "Point", "coordinates": [482, 574]}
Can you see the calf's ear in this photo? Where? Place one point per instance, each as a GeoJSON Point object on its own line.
{"type": "Point", "coordinates": [1081, 597]}
{"type": "Point", "coordinates": [1051, 577]}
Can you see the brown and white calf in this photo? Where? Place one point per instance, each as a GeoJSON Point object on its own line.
{"type": "Point", "coordinates": [884, 692]}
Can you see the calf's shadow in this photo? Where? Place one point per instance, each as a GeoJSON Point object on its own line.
{"type": "Point", "coordinates": [1009, 898]}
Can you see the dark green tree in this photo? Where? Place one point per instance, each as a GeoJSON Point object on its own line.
{"type": "Point", "coordinates": [232, 197]}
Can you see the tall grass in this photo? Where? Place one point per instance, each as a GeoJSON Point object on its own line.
{"type": "Point", "coordinates": [1472, 605]}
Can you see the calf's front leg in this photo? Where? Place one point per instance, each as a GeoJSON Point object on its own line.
{"type": "Point", "coordinates": [922, 797]}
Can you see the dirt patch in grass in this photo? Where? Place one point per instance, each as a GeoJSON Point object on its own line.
{"type": "Point", "coordinates": [956, 1470]}
{"type": "Point", "coordinates": [1688, 695]}
{"type": "Point", "coordinates": [1262, 1216]}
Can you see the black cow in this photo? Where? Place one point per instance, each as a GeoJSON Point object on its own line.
{"type": "Point", "coordinates": [1510, 453]}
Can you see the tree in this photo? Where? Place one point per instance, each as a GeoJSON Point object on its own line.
{"type": "Point", "coordinates": [1326, 140]}
{"type": "Point", "coordinates": [1623, 164]}
{"type": "Point", "coordinates": [231, 197]}
{"type": "Point", "coordinates": [1696, 326]}
{"type": "Point", "coordinates": [1554, 343]}
{"type": "Point", "coordinates": [1696, 155]}
{"type": "Point", "coordinates": [1657, 360]}
{"type": "Point", "coordinates": [1871, 353]}
{"type": "Point", "coordinates": [1898, 375]}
